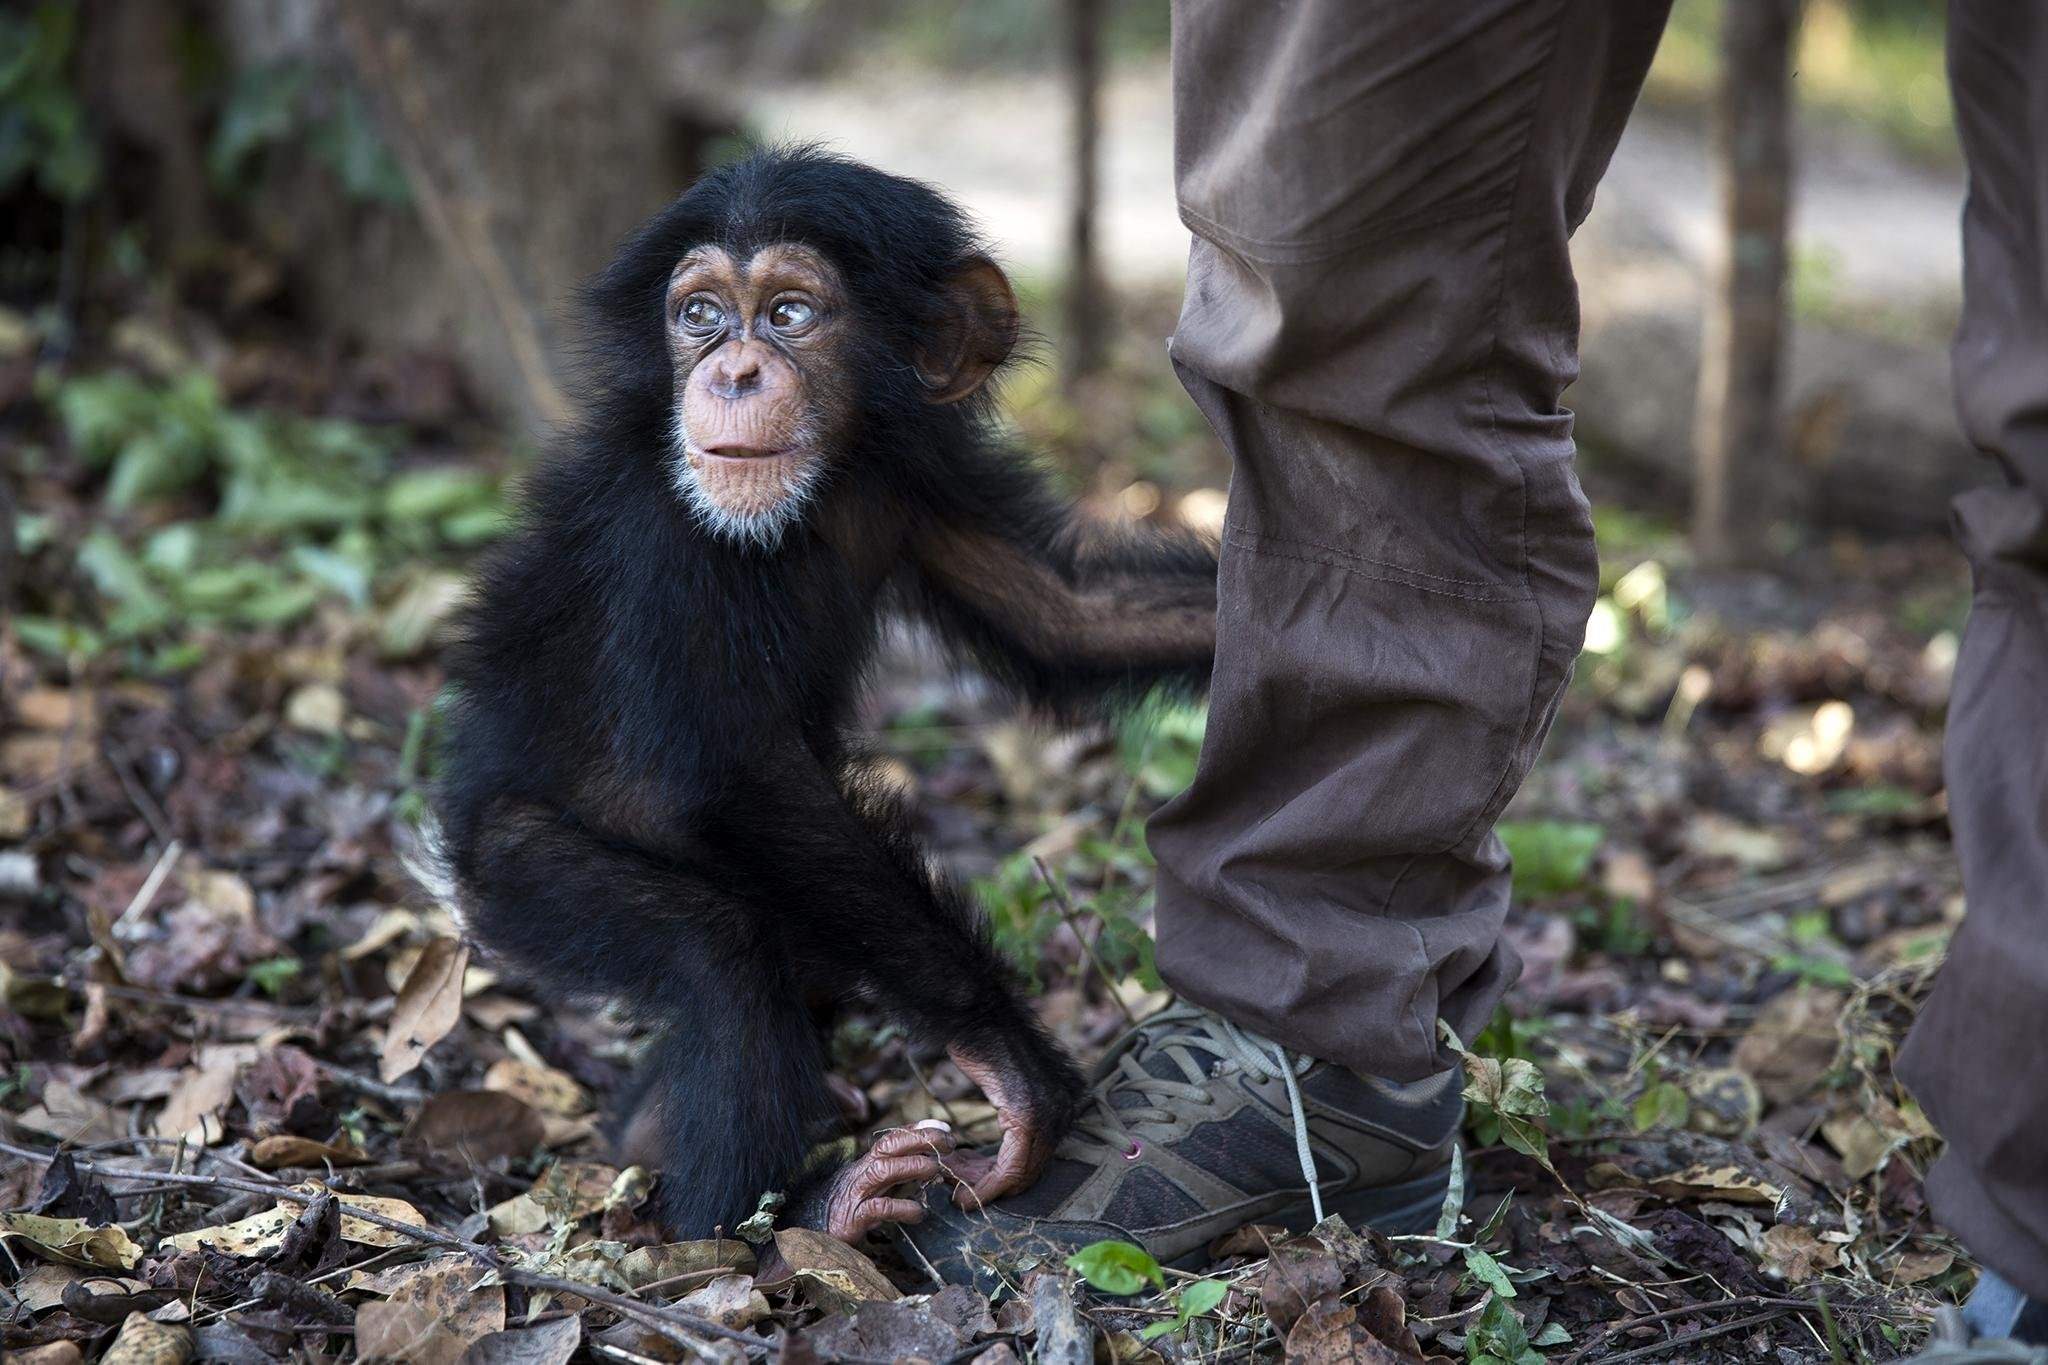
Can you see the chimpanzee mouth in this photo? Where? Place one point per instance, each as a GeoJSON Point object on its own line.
{"type": "Point", "coordinates": [735, 455]}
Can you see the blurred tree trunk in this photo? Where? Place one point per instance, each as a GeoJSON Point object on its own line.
{"type": "Point", "coordinates": [1737, 429]}
{"type": "Point", "coordinates": [532, 136]}
{"type": "Point", "coordinates": [1087, 303]}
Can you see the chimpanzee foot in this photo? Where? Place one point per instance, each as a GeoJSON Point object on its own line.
{"type": "Point", "coordinates": [858, 1200]}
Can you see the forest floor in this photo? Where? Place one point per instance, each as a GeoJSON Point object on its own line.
{"type": "Point", "coordinates": [226, 1005]}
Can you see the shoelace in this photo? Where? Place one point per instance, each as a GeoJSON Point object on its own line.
{"type": "Point", "coordinates": [1107, 1125]}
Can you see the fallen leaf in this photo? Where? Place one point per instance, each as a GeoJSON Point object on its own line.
{"type": "Point", "coordinates": [549, 1343]}
{"type": "Point", "coordinates": [831, 1272]}
{"type": "Point", "coordinates": [262, 1233]}
{"type": "Point", "coordinates": [1329, 1333]}
{"type": "Point", "coordinates": [431, 1319]}
{"type": "Point", "coordinates": [143, 1342]}
{"type": "Point", "coordinates": [1912, 1267]}
{"type": "Point", "coordinates": [72, 1116]}
{"type": "Point", "coordinates": [285, 1149]}
{"type": "Point", "coordinates": [1795, 1255]}
{"type": "Point", "coordinates": [316, 708]}
{"type": "Point", "coordinates": [543, 1087]}
{"type": "Point", "coordinates": [729, 1300]}
{"type": "Point", "coordinates": [1792, 1042]}
{"type": "Point", "coordinates": [643, 1266]}
{"type": "Point", "coordinates": [193, 1111]}
{"type": "Point", "coordinates": [428, 1005]}
{"type": "Point", "coordinates": [480, 1126]}
{"type": "Point", "coordinates": [73, 1241]}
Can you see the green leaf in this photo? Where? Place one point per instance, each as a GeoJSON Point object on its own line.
{"type": "Point", "coordinates": [1553, 1334]}
{"type": "Point", "coordinates": [1196, 1299]}
{"type": "Point", "coordinates": [1116, 1267]}
{"type": "Point", "coordinates": [63, 640]}
{"type": "Point", "coordinates": [271, 974]}
{"type": "Point", "coordinates": [1662, 1105]}
{"type": "Point", "coordinates": [427, 495]}
{"type": "Point", "coordinates": [1551, 856]}
{"type": "Point", "coordinates": [1487, 1271]}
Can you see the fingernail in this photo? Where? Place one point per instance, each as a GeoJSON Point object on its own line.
{"type": "Point", "coordinates": [939, 1124]}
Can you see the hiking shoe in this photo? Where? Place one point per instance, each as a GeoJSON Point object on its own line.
{"type": "Point", "coordinates": [1193, 1127]}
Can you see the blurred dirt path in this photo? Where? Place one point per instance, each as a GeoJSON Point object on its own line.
{"type": "Point", "coordinates": [1885, 228]}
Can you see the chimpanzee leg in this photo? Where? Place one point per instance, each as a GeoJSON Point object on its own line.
{"type": "Point", "coordinates": [735, 1083]}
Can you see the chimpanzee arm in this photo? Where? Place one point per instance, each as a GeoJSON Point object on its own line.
{"type": "Point", "coordinates": [1068, 612]}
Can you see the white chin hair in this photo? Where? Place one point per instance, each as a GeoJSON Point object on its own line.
{"type": "Point", "coordinates": [771, 501]}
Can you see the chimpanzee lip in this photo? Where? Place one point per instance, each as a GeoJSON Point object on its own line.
{"type": "Point", "coordinates": [748, 457]}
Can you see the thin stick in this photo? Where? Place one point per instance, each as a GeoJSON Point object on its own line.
{"type": "Point", "coordinates": [1072, 916]}
{"type": "Point", "coordinates": [670, 1322]}
{"type": "Point", "coordinates": [152, 883]}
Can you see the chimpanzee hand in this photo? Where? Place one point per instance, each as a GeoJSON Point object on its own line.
{"type": "Point", "coordinates": [1034, 1102]}
{"type": "Point", "coordinates": [857, 1200]}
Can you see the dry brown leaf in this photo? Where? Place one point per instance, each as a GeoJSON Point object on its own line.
{"type": "Point", "coordinates": [49, 1353]}
{"type": "Point", "coordinates": [1912, 1267]}
{"type": "Point", "coordinates": [285, 1149]}
{"type": "Point", "coordinates": [549, 1343]}
{"type": "Point", "coordinates": [72, 1116]}
{"type": "Point", "coordinates": [1329, 1333]}
{"type": "Point", "coordinates": [833, 1274]}
{"type": "Point", "coordinates": [316, 708]}
{"type": "Point", "coordinates": [729, 1300]}
{"type": "Point", "coordinates": [57, 709]}
{"type": "Point", "coordinates": [1862, 1143]}
{"type": "Point", "coordinates": [543, 1087]}
{"type": "Point", "coordinates": [193, 1111]}
{"type": "Point", "coordinates": [1795, 1254]}
{"type": "Point", "coordinates": [643, 1266]}
{"type": "Point", "coordinates": [72, 1241]}
{"type": "Point", "coordinates": [476, 1125]}
{"type": "Point", "coordinates": [428, 1005]}
{"type": "Point", "coordinates": [1792, 1042]}
{"type": "Point", "coordinates": [262, 1233]}
{"type": "Point", "coordinates": [143, 1342]}
{"type": "Point", "coordinates": [431, 1319]}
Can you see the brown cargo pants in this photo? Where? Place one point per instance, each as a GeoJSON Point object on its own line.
{"type": "Point", "coordinates": [1978, 1058]}
{"type": "Point", "coordinates": [1380, 318]}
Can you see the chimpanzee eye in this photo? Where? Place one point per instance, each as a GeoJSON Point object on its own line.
{"type": "Point", "coordinates": [701, 313]}
{"type": "Point", "coordinates": [792, 315]}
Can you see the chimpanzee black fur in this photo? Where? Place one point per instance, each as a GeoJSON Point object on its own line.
{"type": "Point", "coordinates": [648, 792]}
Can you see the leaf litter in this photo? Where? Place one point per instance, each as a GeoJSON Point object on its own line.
{"type": "Point", "coordinates": [298, 1122]}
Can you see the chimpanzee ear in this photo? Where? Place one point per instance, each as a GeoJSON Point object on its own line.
{"type": "Point", "coordinates": [977, 334]}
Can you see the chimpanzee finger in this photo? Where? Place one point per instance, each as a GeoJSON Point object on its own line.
{"type": "Point", "coordinates": [1012, 1171]}
{"type": "Point", "coordinates": [880, 1173]}
{"type": "Point", "coordinates": [872, 1213]}
{"type": "Point", "coordinates": [904, 1141]}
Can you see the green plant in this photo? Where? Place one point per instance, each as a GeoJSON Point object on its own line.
{"type": "Point", "coordinates": [43, 128]}
{"type": "Point", "coordinates": [279, 105]}
{"type": "Point", "coordinates": [1551, 856]}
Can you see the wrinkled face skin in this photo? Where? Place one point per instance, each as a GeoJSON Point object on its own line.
{"type": "Point", "coordinates": [759, 387]}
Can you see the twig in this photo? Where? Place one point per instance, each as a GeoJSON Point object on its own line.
{"type": "Point", "coordinates": [370, 1085]}
{"type": "Point", "coordinates": [150, 884]}
{"type": "Point", "coordinates": [138, 796]}
{"type": "Point", "coordinates": [1072, 917]}
{"type": "Point", "coordinates": [1656, 1348]}
{"type": "Point", "coordinates": [670, 1322]}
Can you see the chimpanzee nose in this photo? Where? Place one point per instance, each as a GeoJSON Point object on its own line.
{"type": "Point", "coordinates": [735, 375]}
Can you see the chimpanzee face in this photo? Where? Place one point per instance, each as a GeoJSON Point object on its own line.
{"type": "Point", "coordinates": [761, 395]}
{"type": "Point", "coordinates": [764, 395]}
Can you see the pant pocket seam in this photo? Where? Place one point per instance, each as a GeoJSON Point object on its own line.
{"type": "Point", "coordinates": [1312, 250]}
{"type": "Point", "coordinates": [1328, 556]}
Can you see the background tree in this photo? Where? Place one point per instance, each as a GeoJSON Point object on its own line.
{"type": "Point", "coordinates": [1738, 430]}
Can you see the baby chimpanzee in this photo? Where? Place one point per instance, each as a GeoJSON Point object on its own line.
{"type": "Point", "coordinates": [649, 790]}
